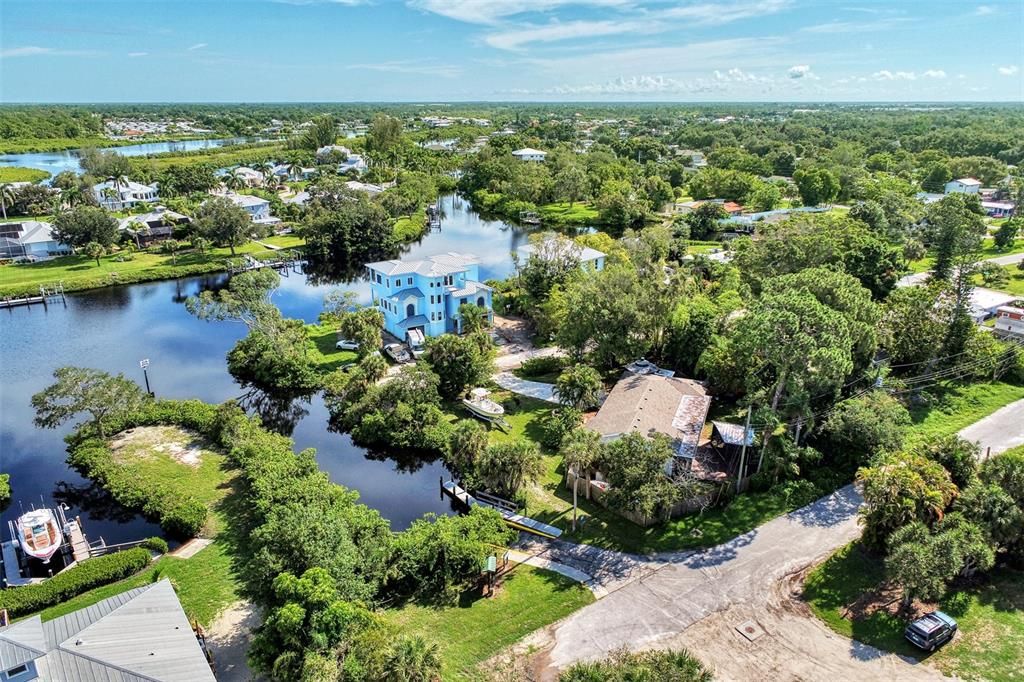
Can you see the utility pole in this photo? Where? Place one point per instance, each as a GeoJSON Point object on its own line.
{"type": "Point", "coordinates": [799, 424]}
{"type": "Point", "coordinates": [764, 446]}
{"type": "Point", "coordinates": [743, 451]}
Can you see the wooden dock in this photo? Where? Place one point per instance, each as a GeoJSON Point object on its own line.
{"type": "Point", "coordinates": [517, 521]}
{"type": "Point", "coordinates": [76, 539]}
{"type": "Point", "coordinates": [45, 297]}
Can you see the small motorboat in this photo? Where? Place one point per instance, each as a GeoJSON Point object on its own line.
{"type": "Point", "coordinates": [480, 404]}
{"type": "Point", "coordinates": [398, 353]}
{"type": "Point", "coordinates": [39, 534]}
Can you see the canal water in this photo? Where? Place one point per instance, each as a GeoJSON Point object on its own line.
{"type": "Point", "coordinates": [56, 162]}
{"type": "Point", "coordinates": [114, 328]}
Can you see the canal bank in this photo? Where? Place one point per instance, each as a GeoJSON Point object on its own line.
{"type": "Point", "coordinates": [114, 328]}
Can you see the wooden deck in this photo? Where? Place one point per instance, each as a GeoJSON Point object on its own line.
{"type": "Point", "coordinates": [517, 521]}
{"type": "Point", "coordinates": [76, 538]}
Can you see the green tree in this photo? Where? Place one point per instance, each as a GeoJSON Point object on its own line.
{"type": "Point", "coordinates": [817, 186]}
{"type": "Point", "coordinates": [900, 488]}
{"type": "Point", "coordinates": [246, 300]}
{"type": "Point", "coordinates": [1006, 236]}
{"type": "Point", "coordinates": [764, 197]}
{"type": "Point", "coordinates": [506, 467]}
{"type": "Point", "coordinates": [322, 133]}
{"type": "Point", "coordinates": [704, 219]}
{"type": "Point", "coordinates": [459, 361]}
{"type": "Point", "coordinates": [871, 214]}
{"type": "Point", "coordinates": [221, 221]}
{"type": "Point", "coordinates": [914, 563]}
{"type": "Point", "coordinates": [200, 244]}
{"type": "Point", "coordinates": [95, 250]}
{"type": "Point", "coordinates": [466, 446]}
{"type": "Point", "coordinates": [634, 467]}
{"type": "Point", "coordinates": [362, 324]}
{"type": "Point", "coordinates": [861, 427]}
{"type": "Point", "coordinates": [78, 390]}
{"type": "Point", "coordinates": [957, 227]}
{"type": "Point", "coordinates": [572, 183]}
{"type": "Point", "coordinates": [437, 557]}
{"type": "Point", "coordinates": [579, 386]}
{"type": "Point", "coordinates": [84, 224]}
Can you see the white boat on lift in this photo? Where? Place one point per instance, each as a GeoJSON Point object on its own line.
{"type": "Point", "coordinates": [480, 404]}
{"type": "Point", "coordinates": [38, 533]}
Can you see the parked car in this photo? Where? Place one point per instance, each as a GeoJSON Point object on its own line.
{"type": "Point", "coordinates": [347, 344]}
{"type": "Point", "coordinates": [398, 353]}
{"type": "Point", "coordinates": [931, 630]}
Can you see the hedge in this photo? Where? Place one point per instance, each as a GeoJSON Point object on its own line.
{"type": "Point", "coordinates": [85, 576]}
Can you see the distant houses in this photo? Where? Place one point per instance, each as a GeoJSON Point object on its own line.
{"type": "Point", "coordinates": [152, 227]}
{"type": "Point", "coordinates": [117, 196]}
{"type": "Point", "coordinates": [556, 249]}
{"type": "Point", "coordinates": [1010, 321]}
{"type": "Point", "coordinates": [425, 295]}
{"type": "Point", "coordinates": [258, 208]}
{"type": "Point", "coordinates": [349, 161]}
{"type": "Point", "coordinates": [30, 239]}
{"type": "Point", "coordinates": [963, 186]}
{"type": "Point", "coordinates": [530, 155]}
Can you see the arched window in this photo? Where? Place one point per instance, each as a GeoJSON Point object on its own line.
{"type": "Point", "coordinates": [481, 302]}
{"type": "Point", "coordinates": [410, 310]}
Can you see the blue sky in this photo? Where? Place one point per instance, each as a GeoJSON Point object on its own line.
{"type": "Point", "coordinates": [438, 50]}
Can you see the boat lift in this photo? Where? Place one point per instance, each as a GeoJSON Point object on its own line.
{"type": "Point", "coordinates": [503, 507]}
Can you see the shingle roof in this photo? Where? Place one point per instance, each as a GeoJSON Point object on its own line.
{"type": "Point", "coordinates": [433, 266]}
{"type": "Point", "coordinates": [652, 403]}
{"type": "Point", "coordinates": [136, 636]}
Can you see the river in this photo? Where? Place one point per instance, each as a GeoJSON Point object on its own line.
{"type": "Point", "coordinates": [56, 162]}
{"type": "Point", "coordinates": [114, 328]}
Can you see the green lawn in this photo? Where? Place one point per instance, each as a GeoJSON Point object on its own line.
{"type": "Point", "coordinates": [959, 405]}
{"type": "Point", "coordinates": [989, 250]}
{"type": "Point", "coordinates": [80, 272]}
{"type": "Point", "coordinates": [410, 228]}
{"type": "Point", "coordinates": [480, 627]}
{"type": "Point", "coordinates": [322, 347]}
{"type": "Point", "coordinates": [228, 155]}
{"type": "Point", "coordinates": [1015, 285]}
{"type": "Point", "coordinates": [990, 614]}
{"type": "Point", "coordinates": [171, 458]}
{"type": "Point", "coordinates": [561, 213]}
{"type": "Point", "coordinates": [206, 584]}
{"type": "Point", "coordinates": [19, 174]}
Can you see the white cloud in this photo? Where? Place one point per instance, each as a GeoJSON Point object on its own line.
{"type": "Point", "coordinates": [491, 11]}
{"type": "Point", "coordinates": [1010, 70]}
{"type": "Point", "coordinates": [715, 14]}
{"type": "Point", "coordinates": [37, 51]}
{"type": "Point", "coordinates": [934, 73]}
{"type": "Point", "coordinates": [984, 10]}
{"type": "Point", "coordinates": [801, 71]}
{"type": "Point", "coordinates": [735, 75]}
{"type": "Point", "coordinates": [886, 75]}
{"type": "Point", "coordinates": [515, 38]}
{"type": "Point", "coordinates": [442, 70]}
{"type": "Point", "coordinates": [137, 54]}
{"type": "Point", "coordinates": [855, 26]}
{"type": "Point", "coordinates": [197, 46]}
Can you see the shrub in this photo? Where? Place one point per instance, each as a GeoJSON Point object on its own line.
{"type": "Point", "coordinates": [623, 665]}
{"type": "Point", "coordinates": [542, 366]}
{"type": "Point", "coordinates": [91, 573]}
{"type": "Point", "coordinates": [557, 424]}
{"type": "Point", "coordinates": [155, 544]}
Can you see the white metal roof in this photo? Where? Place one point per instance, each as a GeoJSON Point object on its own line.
{"type": "Point", "coordinates": [528, 151]}
{"type": "Point", "coordinates": [432, 266]}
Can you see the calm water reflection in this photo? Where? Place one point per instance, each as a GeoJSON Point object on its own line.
{"type": "Point", "coordinates": [112, 329]}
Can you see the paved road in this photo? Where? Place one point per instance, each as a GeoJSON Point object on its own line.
{"type": "Point", "coordinates": [1002, 430]}
{"type": "Point", "coordinates": [698, 599]}
{"type": "Point", "coordinates": [922, 277]}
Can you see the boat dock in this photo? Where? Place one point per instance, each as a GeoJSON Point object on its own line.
{"type": "Point", "coordinates": [46, 296]}
{"type": "Point", "coordinates": [285, 263]}
{"type": "Point", "coordinates": [434, 216]}
{"type": "Point", "coordinates": [506, 509]}
{"type": "Point", "coordinates": [74, 549]}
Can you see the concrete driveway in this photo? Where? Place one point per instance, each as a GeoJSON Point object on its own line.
{"type": "Point", "coordinates": [1002, 430]}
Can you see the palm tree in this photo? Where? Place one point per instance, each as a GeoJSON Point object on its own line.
{"type": "Point", "coordinates": [295, 170]}
{"type": "Point", "coordinates": [266, 169]}
{"type": "Point", "coordinates": [119, 180]}
{"type": "Point", "coordinates": [234, 180]}
{"type": "Point", "coordinates": [412, 659]}
{"type": "Point", "coordinates": [6, 196]}
{"type": "Point", "coordinates": [111, 195]}
{"type": "Point", "coordinates": [579, 453]}
{"type": "Point", "coordinates": [72, 196]}
{"type": "Point", "coordinates": [95, 250]}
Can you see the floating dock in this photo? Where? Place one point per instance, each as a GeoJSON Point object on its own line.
{"type": "Point", "coordinates": [46, 296]}
{"type": "Point", "coordinates": [517, 521]}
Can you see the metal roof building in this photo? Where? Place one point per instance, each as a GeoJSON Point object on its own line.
{"type": "Point", "coordinates": [141, 635]}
